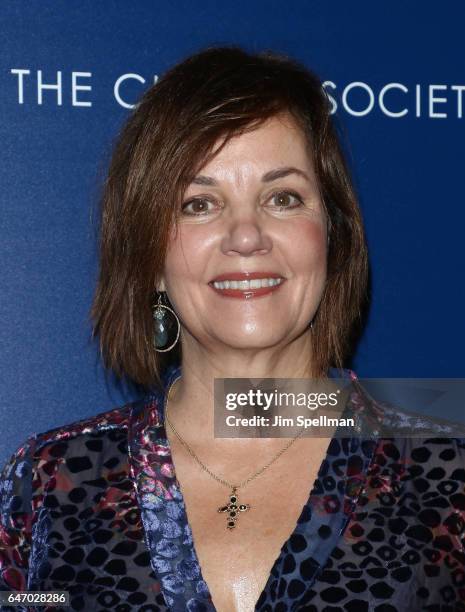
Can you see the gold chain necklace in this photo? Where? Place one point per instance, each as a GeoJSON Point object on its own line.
{"type": "Point", "coordinates": [233, 507]}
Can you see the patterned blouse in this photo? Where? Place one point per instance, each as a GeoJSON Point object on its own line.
{"type": "Point", "coordinates": [94, 508]}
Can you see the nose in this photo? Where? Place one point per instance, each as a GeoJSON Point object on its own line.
{"type": "Point", "coordinates": [246, 234]}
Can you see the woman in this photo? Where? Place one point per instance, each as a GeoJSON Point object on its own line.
{"type": "Point", "coordinates": [230, 230]}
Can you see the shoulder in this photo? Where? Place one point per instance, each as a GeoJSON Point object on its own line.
{"type": "Point", "coordinates": [81, 446]}
{"type": "Point", "coordinates": [40, 445]}
{"type": "Point", "coordinates": [114, 419]}
{"type": "Point", "coordinates": [408, 445]}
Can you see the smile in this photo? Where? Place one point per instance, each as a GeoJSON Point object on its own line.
{"type": "Point", "coordinates": [246, 289]}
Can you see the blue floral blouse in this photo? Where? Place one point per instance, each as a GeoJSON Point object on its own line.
{"type": "Point", "coordinates": [94, 508]}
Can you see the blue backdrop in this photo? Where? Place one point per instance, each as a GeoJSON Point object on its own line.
{"type": "Point", "coordinates": [69, 75]}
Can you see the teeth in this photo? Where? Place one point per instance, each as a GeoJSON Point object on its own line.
{"type": "Point", "coordinates": [244, 285]}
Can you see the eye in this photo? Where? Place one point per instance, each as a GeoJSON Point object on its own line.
{"type": "Point", "coordinates": [287, 199]}
{"type": "Point", "coordinates": [199, 206]}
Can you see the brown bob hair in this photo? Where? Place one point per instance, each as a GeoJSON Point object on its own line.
{"type": "Point", "coordinates": [217, 92]}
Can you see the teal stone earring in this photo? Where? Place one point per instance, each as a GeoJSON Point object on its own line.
{"type": "Point", "coordinates": [165, 320]}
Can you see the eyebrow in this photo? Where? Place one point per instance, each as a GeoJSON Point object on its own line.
{"type": "Point", "coordinates": [268, 177]}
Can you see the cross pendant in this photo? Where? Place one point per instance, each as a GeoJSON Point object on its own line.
{"type": "Point", "coordinates": [233, 508]}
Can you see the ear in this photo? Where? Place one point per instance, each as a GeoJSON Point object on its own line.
{"type": "Point", "coordinates": [161, 286]}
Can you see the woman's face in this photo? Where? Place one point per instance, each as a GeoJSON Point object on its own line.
{"type": "Point", "coordinates": [254, 208]}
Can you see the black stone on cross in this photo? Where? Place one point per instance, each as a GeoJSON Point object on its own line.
{"type": "Point", "coordinates": [233, 508]}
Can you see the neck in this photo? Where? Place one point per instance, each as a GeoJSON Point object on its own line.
{"type": "Point", "coordinates": [191, 402]}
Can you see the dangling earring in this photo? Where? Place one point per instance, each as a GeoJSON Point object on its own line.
{"type": "Point", "coordinates": [163, 323]}
{"type": "Point", "coordinates": [311, 324]}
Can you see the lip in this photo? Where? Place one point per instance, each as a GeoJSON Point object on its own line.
{"type": "Point", "coordinates": [245, 276]}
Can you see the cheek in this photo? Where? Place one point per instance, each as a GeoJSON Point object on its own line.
{"type": "Point", "coordinates": [187, 253]}
{"type": "Point", "coordinates": [309, 244]}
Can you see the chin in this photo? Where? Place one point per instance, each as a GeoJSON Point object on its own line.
{"type": "Point", "coordinates": [252, 341]}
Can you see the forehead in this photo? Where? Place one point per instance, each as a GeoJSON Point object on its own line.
{"type": "Point", "coordinates": [278, 141]}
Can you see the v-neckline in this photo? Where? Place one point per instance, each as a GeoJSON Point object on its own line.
{"type": "Point", "coordinates": [167, 532]}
